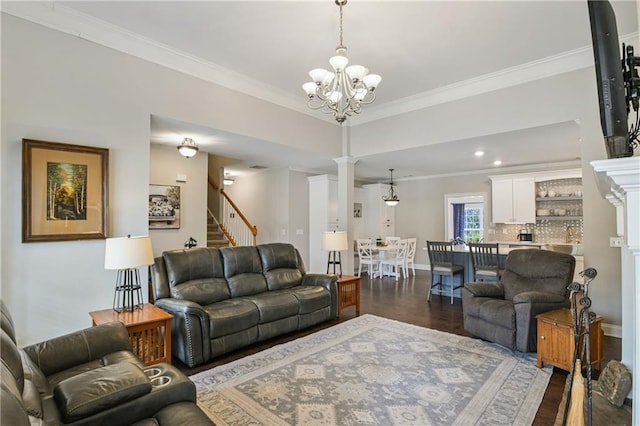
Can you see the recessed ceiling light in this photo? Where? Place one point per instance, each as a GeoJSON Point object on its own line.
{"type": "Point", "coordinates": [497, 163]}
{"type": "Point", "coordinates": [478, 153]}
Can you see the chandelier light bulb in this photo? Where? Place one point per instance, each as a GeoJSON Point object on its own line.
{"type": "Point", "coordinates": [372, 81]}
{"type": "Point", "coordinates": [318, 74]}
{"type": "Point", "coordinates": [310, 88]}
{"type": "Point", "coordinates": [344, 92]}
{"type": "Point", "coordinates": [356, 72]}
{"type": "Point", "coordinates": [339, 62]}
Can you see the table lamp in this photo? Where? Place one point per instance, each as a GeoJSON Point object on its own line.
{"type": "Point", "coordinates": [334, 242]}
{"type": "Point", "coordinates": [126, 254]}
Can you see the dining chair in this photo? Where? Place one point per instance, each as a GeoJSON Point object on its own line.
{"type": "Point", "coordinates": [394, 263]}
{"type": "Point", "coordinates": [441, 263]}
{"type": "Point", "coordinates": [409, 258]}
{"type": "Point", "coordinates": [485, 261]}
{"type": "Point", "coordinates": [391, 241]}
{"type": "Point", "coordinates": [366, 256]}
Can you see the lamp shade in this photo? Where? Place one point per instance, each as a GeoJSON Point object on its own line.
{"type": "Point", "coordinates": [128, 252]}
{"type": "Point", "coordinates": [335, 241]}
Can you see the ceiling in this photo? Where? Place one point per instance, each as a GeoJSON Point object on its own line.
{"type": "Point", "coordinates": [271, 45]}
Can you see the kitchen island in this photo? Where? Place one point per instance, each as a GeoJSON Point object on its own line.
{"type": "Point", "coordinates": [461, 256]}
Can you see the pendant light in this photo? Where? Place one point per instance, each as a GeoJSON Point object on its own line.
{"type": "Point", "coordinates": [188, 148]}
{"type": "Point", "coordinates": [391, 199]}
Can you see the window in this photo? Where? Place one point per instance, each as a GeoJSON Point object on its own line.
{"type": "Point", "coordinates": [473, 220]}
{"type": "Point", "coordinates": [464, 216]}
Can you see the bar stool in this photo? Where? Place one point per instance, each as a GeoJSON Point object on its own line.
{"type": "Point", "coordinates": [441, 262]}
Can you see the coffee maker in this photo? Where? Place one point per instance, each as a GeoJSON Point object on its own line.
{"type": "Point", "coordinates": [525, 235]}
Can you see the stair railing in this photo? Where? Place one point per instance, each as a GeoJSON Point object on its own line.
{"type": "Point", "coordinates": [233, 224]}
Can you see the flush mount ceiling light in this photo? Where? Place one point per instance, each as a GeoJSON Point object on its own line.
{"type": "Point", "coordinates": [391, 199]}
{"type": "Point", "coordinates": [188, 148]}
{"type": "Point", "coordinates": [343, 92]}
{"type": "Point", "coordinates": [228, 180]}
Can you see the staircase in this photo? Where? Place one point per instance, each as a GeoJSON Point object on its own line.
{"type": "Point", "coordinates": [215, 237]}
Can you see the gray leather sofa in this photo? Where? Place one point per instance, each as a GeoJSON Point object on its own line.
{"type": "Point", "coordinates": [90, 377]}
{"type": "Point", "coordinates": [533, 282]}
{"type": "Point", "coordinates": [224, 299]}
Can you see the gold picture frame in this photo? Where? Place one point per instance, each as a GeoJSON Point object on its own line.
{"type": "Point", "coordinates": [65, 192]}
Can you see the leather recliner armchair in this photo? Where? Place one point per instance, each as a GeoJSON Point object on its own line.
{"type": "Point", "coordinates": [89, 377]}
{"type": "Point", "coordinates": [534, 281]}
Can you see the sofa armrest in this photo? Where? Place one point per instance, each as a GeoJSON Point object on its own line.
{"type": "Point", "coordinates": [97, 390]}
{"type": "Point", "coordinates": [189, 330]}
{"type": "Point", "coordinates": [538, 297]}
{"type": "Point", "coordinates": [61, 353]}
{"type": "Point", "coordinates": [495, 291]}
{"type": "Point", "coordinates": [330, 282]}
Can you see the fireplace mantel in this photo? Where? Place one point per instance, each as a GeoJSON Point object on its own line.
{"type": "Point", "coordinates": [619, 182]}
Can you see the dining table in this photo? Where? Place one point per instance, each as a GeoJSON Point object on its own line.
{"type": "Point", "coordinates": [383, 252]}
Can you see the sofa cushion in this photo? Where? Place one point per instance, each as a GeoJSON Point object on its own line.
{"type": "Point", "coordinates": [280, 265]}
{"type": "Point", "coordinates": [231, 316]}
{"type": "Point", "coordinates": [243, 271]}
{"type": "Point", "coordinates": [34, 374]}
{"type": "Point", "coordinates": [275, 305]}
{"type": "Point", "coordinates": [196, 274]}
{"type": "Point", "coordinates": [202, 291]}
{"type": "Point", "coordinates": [499, 312]}
{"type": "Point", "coordinates": [100, 389]}
{"type": "Point", "coordinates": [537, 270]}
{"type": "Point", "coordinates": [311, 298]}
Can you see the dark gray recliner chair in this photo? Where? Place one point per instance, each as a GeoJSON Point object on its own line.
{"type": "Point", "coordinates": [89, 377]}
{"type": "Point", "coordinates": [534, 281]}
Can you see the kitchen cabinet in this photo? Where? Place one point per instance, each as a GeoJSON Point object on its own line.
{"type": "Point", "coordinates": [513, 199]}
{"type": "Point", "coordinates": [379, 218]}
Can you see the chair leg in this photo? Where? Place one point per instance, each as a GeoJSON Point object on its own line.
{"type": "Point", "coordinates": [431, 286]}
{"type": "Point", "coordinates": [452, 279]}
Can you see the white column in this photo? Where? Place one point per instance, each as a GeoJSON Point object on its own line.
{"type": "Point", "coordinates": [619, 182]}
{"type": "Point", "coordinates": [346, 178]}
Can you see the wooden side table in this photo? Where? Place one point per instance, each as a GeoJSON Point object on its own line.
{"type": "Point", "coordinates": [149, 331]}
{"type": "Point", "coordinates": [556, 341]}
{"type": "Point", "coordinates": [348, 293]}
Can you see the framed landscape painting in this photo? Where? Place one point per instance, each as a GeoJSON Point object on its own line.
{"type": "Point", "coordinates": [64, 191]}
{"type": "Point", "coordinates": [164, 207]}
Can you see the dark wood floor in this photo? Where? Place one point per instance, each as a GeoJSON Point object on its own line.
{"type": "Point", "coordinates": [405, 300]}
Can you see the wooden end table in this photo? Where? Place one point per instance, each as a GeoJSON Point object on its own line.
{"type": "Point", "coordinates": [149, 331]}
{"type": "Point", "coordinates": [556, 340]}
{"type": "Point", "coordinates": [348, 293]}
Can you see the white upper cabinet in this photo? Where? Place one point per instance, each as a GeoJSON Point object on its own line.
{"type": "Point", "coordinates": [513, 199]}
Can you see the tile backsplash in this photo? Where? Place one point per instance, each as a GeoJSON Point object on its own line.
{"type": "Point", "coordinates": [544, 231]}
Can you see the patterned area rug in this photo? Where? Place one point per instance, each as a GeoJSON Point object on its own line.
{"type": "Point", "coordinates": [376, 371]}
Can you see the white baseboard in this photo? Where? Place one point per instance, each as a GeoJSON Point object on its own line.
{"type": "Point", "coordinates": [612, 330]}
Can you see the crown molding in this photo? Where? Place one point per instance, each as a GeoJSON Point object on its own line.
{"type": "Point", "coordinates": [565, 62]}
{"type": "Point", "coordinates": [70, 21]}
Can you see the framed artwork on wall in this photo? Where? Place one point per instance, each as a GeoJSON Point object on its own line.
{"type": "Point", "coordinates": [164, 207]}
{"type": "Point", "coordinates": [65, 191]}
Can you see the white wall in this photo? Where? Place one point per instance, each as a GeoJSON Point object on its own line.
{"type": "Point", "coordinates": [61, 88]}
{"type": "Point", "coordinates": [275, 201]}
{"type": "Point", "coordinates": [165, 164]}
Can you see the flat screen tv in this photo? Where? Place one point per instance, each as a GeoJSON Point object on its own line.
{"type": "Point", "coordinates": [610, 81]}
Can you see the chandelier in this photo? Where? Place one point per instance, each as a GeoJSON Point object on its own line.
{"type": "Point", "coordinates": [391, 199]}
{"type": "Point", "coordinates": [343, 92]}
{"type": "Point", "coordinates": [188, 148]}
